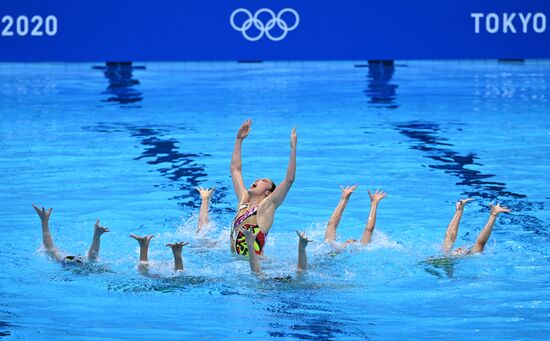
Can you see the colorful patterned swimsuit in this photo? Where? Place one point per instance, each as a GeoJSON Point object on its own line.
{"type": "Point", "coordinates": [248, 219]}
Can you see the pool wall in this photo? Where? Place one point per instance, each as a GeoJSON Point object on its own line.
{"type": "Point", "coordinates": [171, 30]}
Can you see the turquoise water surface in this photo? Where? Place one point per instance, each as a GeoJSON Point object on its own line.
{"type": "Point", "coordinates": [129, 145]}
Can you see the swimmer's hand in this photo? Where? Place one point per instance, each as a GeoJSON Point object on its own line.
{"type": "Point", "coordinates": [248, 233]}
{"type": "Point", "coordinates": [293, 138]}
{"type": "Point", "coordinates": [143, 241]}
{"type": "Point", "coordinates": [377, 196]}
{"type": "Point", "coordinates": [42, 213]}
{"type": "Point", "coordinates": [303, 240]}
{"type": "Point", "coordinates": [462, 202]}
{"type": "Point", "coordinates": [244, 130]}
{"type": "Point", "coordinates": [497, 209]}
{"type": "Point", "coordinates": [205, 193]}
{"type": "Point", "coordinates": [99, 230]}
{"type": "Point", "coordinates": [176, 247]}
{"type": "Point", "coordinates": [346, 191]}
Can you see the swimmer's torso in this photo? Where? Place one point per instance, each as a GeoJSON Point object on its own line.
{"type": "Point", "coordinates": [247, 218]}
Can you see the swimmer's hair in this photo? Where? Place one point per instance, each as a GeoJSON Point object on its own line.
{"type": "Point", "coordinates": [273, 186]}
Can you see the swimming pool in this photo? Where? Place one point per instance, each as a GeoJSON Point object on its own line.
{"type": "Point", "coordinates": [128, 146]}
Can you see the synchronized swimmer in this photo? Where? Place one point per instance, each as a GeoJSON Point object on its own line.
{"type": "Point", "coordinates": [257, 205]}
{"type": "Point", "coordinates": [482, 238]}
{"type": "Point", "coordinates": [54, 253]}
{"type": "Point", "coordinates": [176, 247]}
{"type": "Point", "coordinates": [255, 215]}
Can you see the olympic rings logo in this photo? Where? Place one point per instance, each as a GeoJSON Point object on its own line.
{"type": "Point", "coordinates": [268, 26]}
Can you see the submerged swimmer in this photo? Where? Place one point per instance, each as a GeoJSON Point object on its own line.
{"type": "Point", "coordinates": [253, 257]}
{"type": "Point", "coordinates": [257, 205]}
{"type": "Point", "coordinates": [143, 265]}
{"type": "Point", "coordinates": [483, 237]}
{"type": "Point", "coordinates": [330, 233]}
{"type": "Point", "coordinates": [54, 253]}
{"type": "Point", "coordinates": [449, 259]}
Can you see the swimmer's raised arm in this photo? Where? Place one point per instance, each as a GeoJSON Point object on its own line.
{"type": "Point", "coordinates": [302, 255]}
{"type": "Point", "coordinates": [486, 232]}
{"type": "Point", "coordinates": [330, 233]}
{"type": "Point", "coordinates": [47, 240]}
{"type": "Point", "coordinates": [371, 222]}
{"type": "Point", "coordinates": [143, 246]}
{"type": "Point", "coordinates": [277, 197]}
{"type": "Point", "coordinates": [93, 252]}
{"type": "Point", "coordinates": [253, 258]}
{"type": "Point", "coordinates": [452, 229]}
{"type": "Point", "coordinates": [176, 251]}
{"type": "Point", "coordinates": [236, 162]}
{"type": "Point", "coordinates": [143, 251]}
{"type": "Point", "coordinates": [206, 194]}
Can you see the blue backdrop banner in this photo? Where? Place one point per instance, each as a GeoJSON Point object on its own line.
{"type": "Point", "coordinates": [124, 30]}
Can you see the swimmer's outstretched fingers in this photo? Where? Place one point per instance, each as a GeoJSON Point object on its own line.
{"type": "Point", "coordinates": [303, 240]}
{"type": "Point", "coordinates": [371, 222]}
{"type": "Point", "coordinates": [497, 209]}
{"type": "Point", "coordinates": [98, 229]}
{"type": "Point", "coordinates": [93, 252]}
{"type": "Point", "coordinates": [244, 130]}
{"type": "Point", "coordinates": [177, 245]}
{"type": "Point", "coordinates": [330, 232]}
{"type": "Point", "coordinates": [248, 232]}
{"type": "Point", "coordinates": [452, 228]}
{"type": "Point", "coordinates": [206, 194]}
{"type": "Point", "coordinates": [47, 240]}
{"type": "Point", "coordinates": [42, 213]}
{"type": "Point", "coordinates": [486, 232]}
{"type": "Point", "coordinates": [377, 196]}
{"type": "Point", "coordinates": [302, 255]}
{"type": "Point", "coordinates": [462, 202]}
{"type": "Point", "coordinates": [176, 250]}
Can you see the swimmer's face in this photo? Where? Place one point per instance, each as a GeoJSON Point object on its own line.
{"type": "Point", "coordinates": [261, 186]}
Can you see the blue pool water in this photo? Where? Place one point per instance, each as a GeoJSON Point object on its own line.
{"type": "Point", "coordinates": [128, 146]}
